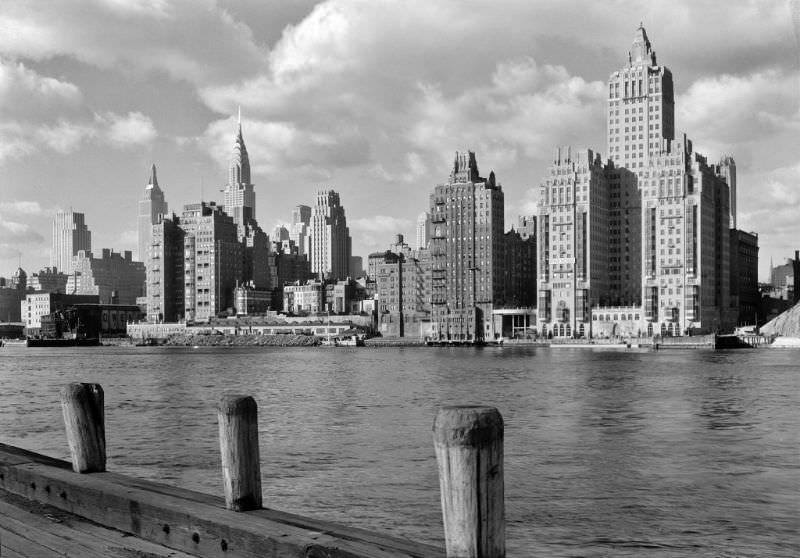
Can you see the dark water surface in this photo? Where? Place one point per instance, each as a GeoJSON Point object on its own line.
{"type": "Point", "coordinates": [608, 453]}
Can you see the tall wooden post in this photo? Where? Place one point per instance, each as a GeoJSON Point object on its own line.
{"type": "Point", "coordinates": [469, 451]}
{"type": "Point", "coordinates": [84, 419]}
{"type": "Point", "coordinates": [238, 444]}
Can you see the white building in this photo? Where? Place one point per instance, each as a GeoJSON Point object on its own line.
{"type": "Point", "coordinates": [70, 235]}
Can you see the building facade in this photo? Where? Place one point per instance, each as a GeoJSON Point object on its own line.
{"type": "Point", "coordinates": [37, 305]}
{"type": "Point", "coordinates": [328, 244]}
{"type": "Point", "coordinates": [70, 235]}
{"type": "Point", "coordinates": [49, 280]}
{"type": "Point", "coordinates": [466, 250]}
{"type": "Point", "coordinates": [115, 278]}
{"type": "Point", "coordinates": [423, 230]}
{"type": "Point", "coordinates": [573, 242]}
{"type": "Point", "coordinates": [196, 261]}
{"type": "Point", "coordinates": [744, 277]}
{"type": "Point", "coordinates": [152, 207]}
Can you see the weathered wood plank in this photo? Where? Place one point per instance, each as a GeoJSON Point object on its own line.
{"type": "Point", "coordinates": [190, 522]}
{"type": "Point", "coordinates": [59, 522]}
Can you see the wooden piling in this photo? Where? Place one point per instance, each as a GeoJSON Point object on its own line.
{"type": "Point", "coordinates": [469, 450]}
{"type": "Point", "coordinates": [238, 443]}
{"type": "Point", "coordinates": [84, 419]}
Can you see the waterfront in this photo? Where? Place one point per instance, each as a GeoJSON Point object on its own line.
{"type": "Point", "coordinates": [608, 452]}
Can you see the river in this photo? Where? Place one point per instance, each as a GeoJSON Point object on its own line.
{"type": "Point", "coordinates": [607, 452]}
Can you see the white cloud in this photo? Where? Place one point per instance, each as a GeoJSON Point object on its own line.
{"type": "Point", "coordinates": [133, 128]}
{"type": "Point", "coordinates": [14, 233]}
{"type": "Point", "coordinates": [25, 207]}
{"type": "Point", "coordinates": [380, 223]}
{"type": "Point", "coordinates": [64, 136]}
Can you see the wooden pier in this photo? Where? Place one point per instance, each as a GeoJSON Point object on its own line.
{"type": "Point", "coordinates": [50, 507]}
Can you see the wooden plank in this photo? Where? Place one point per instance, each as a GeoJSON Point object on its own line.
{"type": "Point", "coordinates": [193, 525]}
{"type": "Point", "coordinates": [110, 542]}
{"type": "Point", "coordinates": [12, 544]}
{"type": "Point", "coordinates": [35, 536]}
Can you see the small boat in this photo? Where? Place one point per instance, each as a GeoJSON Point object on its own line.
{"type": "Point", "coordinates": [64, 342]}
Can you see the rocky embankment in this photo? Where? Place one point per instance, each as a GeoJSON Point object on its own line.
{"type": "Point", "coordinates": [785, 325]}
{"type": "Point", "coordinates": [242, 340]}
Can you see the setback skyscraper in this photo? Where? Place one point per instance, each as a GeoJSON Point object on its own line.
{"type": "Point", "coordinates": [151, 208]}
{"type": "Point", "coordinates": [240, 198]}
{"type": "Point", "coordinates": [70, 235]}
{"type": "Point", "coordinates": [466, 250]}
{"type": "Point", "coordinates": [328, 245]}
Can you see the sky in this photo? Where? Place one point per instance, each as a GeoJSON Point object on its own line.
{"type": "Point", "coordinates": [370, 98]}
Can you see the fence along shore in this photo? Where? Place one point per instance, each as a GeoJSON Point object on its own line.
{"type": "Point", "coordinates": [468, 441]}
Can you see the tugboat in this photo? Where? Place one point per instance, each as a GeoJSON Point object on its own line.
{"type": "Point", "coordinates": [67, 331]}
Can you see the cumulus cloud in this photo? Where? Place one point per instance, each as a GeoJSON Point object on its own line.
{"type": "Point", "coordinates": [25, 207]}
{"type": "Point", "coordinates": [379, 223]}
{"type": "Point", "coordinates": [25, 93]}
{"type": "Point", "coordinates": [146, 35]}
{"type": "Point", "coordinates": [130, 129]}
{"type": "Point", "coordinates": [14, 233]}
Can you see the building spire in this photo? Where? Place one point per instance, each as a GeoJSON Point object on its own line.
{"type": "Point", "coordinates": [153, 182]}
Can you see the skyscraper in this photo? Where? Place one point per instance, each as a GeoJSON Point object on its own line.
{"type": "Point", "coordinates": [151, 207]}
{"type": "Point", "coordinates": [329, 244]}
{"type": "Point", "coordinates": [641, 107]}
{"type": "Point", "coordinates": [70, 234]}
{"type": "Point", "coordinates": [466, 250]}
{"type": "Point", "coordinates": [196, 261]}
{"type": "Point", "coordinates": [240, 198]}
{"type": "Point", "coordinates": [301, 217]}
{"type": "Point", "coordinates": [423, 230]}
{"type": "Point", "coordinates": [684, 205]}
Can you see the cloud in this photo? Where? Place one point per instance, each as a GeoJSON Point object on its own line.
{"type": "Point", "coordinates": [380, 223]}
{"type": "Point", "coordinates": [133, 128]}
{"type": "Point", "coordinates": [26, 94]}
{"type": "Point", "coordinates": [766, 103]}
{"type": "Point", "coordinates": [25, 207]}
{"type": "Point", "coordinates": [65, 137]}
{"type": "Point", "coordinates": [14, 233]}
{"type": "Point", "coordinates": [142, 36]}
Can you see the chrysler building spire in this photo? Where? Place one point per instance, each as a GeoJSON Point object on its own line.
{"type": "Point", "coordinates": [240, 199]}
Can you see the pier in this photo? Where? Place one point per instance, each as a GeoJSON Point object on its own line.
{"type": "Point", "coordinates": [50, 507]}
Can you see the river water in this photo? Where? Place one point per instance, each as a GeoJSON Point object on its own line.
{"type": "Point", "coordinates": [607, 452]}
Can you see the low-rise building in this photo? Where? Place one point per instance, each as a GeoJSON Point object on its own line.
{"type": "Point", "coordinates": [37, 305]}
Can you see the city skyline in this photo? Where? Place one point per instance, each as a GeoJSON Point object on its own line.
{"type": "Point", "coordinates": [344, 96]}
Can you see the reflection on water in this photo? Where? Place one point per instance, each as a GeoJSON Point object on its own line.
{"type": "Point", "coordinates": [607, 453]}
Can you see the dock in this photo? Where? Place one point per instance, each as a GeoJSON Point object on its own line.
{"type": "Point", "coordinates": [50, 507]}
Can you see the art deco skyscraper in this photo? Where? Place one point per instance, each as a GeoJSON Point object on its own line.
{"type": "Point", "coordinates": [684, 205]}
{"type": "Point", "coordinates": [70, 234]}
{"type": "Point", "coordinates": [329, 244]}
{"type": "Point", "coordinates": [240, 198]}
{"type": "Point", "coordinates": [151, 208]}
{"type": "Point", "coordinates": [466, 250]}
{"type": "Point", "coordinates": [641, 107]}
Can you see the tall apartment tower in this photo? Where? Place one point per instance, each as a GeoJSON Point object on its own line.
{"type": "Point", "coordinates": [152, 208]}
{"type": "Point", "coordinates": [573, 270]}
{"type": "Point", "coordinates": [239, 196]}
{"type": "Point", "coordinates": [684, 202]}
{"type": "Point", "coordinates": [641, 107]}
{"type": "Point", "coordinates": [423, 230]}
{"type": "Point", "coordinates": [328, 244]}
{"type": "Point", "coordinates": [195, 262]}
{"type": "Point", "coordinates": [466, 250]}
{"type": "Point", "coordinates": [70, 235]}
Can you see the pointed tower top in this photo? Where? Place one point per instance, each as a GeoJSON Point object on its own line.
{"type": "Point", "coordinates": [153, 179]}
{"type": "Point", "coordinates": [641, 51]}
